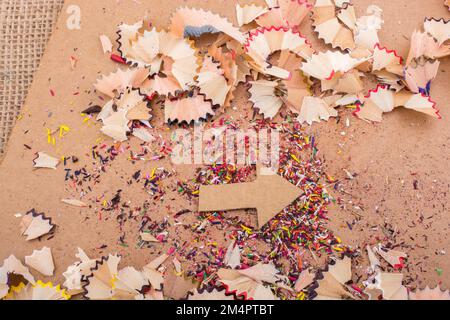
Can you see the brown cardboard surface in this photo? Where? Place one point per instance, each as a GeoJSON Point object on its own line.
{"type": "Point", "coordinates": [387, 157]}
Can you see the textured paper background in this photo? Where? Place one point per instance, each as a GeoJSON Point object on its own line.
{"type": "Point", "coordinates": [25, 26]}
{"type": "Point", "coordinates": [387, 157]}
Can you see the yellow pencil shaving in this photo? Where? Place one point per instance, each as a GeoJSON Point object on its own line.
{"type": "Point", "coordinates": [63, 129]}
{"type": "Point", "coordinates": [246, 229]}
{"type": "Point", "coordinates": [113, 282]}
{"type": "Point", "coordinates": [39, 284]}
{"type": "Point", "coordinates": [18, 288]}
{"type": "Point", "coordinates": [295, 158]}
{"type": "Point", "coordinates": [49, 136]}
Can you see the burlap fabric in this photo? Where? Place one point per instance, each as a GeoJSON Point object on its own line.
{"type": "Point", "coordinates": [25, 26]}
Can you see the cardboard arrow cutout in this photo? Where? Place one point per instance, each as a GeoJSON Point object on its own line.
{"type": "Point", "coordinates": [269, 194]}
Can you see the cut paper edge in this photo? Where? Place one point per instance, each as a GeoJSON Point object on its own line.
{"type": "Point", "coordinates": [212, 83]}
{"type": "Point", "coordinates": [187, 22]}
{"type": "Point", "coordinates": [347, 16]}
{"type": "Point", "coordinates": [157, 262]}
{"type": "Point", "coordinates": [264, 98]}
{"type": "Point", "coordinates": [314, 110]}
{"type": "Point", "coordinates": [272, 18]}
{"type": "Point", "coordinates": [117, 82]}
{"type": "Point", "coordinates": [367, 27]}
{"type": "Point", "coordinates": [418, 102]}
{"type": "Point", "coordinates": [271, 3]}
{"type": "Point", "coordinates": [248, 13]}
{"type": "Point", "coordinates": [213, 294]}
{"type": "Point", "coordinates": [297, 86]}
{"type": "Point", "coordinates": [305, 279]}
{"type": "Point", "coordinates": [438, 29]}
{"type": "Point", "coordinates": [163, 86]}
{"type": "Point", "coordinates": [150, 48]}
{"type": "Point", "coordinates": [373, 260]}
{"type": "Point", "coordinates": [100, 283]}
{"type": "Point", "coordinates": [391, 286]}
{"type": "Point", "coordinates": [39, 291]}
{"type": "Point", "coordinates": [126, 34]}
{"type": "Point", "coordinates": [418, 78]}
{"type": "Point", "coordinates": [118, 113]}
{"type": "Point", "coordinates": [332, 284]}
{"type": "Point", "coordinates": [12, 265]}
{"type": "Point", "coordinates": [430, 294]}
{"type": "Point", "coordinates": [74, 202]}
{"type": "Point", "coordinates": [34, 225]}
{"type": "Point", "coordinates": [263, 42]}
{"type": "Point", "coordinates": [41, 261]}
{"type": "Point", "coordinates": [395, 258]}
{"type": "Point", "coordinates": [232, 256]}
{"type": "Point", "coordinates": [247, 283]}
{"type": "Point", "coordinates": [324, 65]}
{"type": "Point", "coordinates": [373, 110]}
{"type": "Point", "coordinates": [381, 100]}
{"type": "Point", "coordinates": [231, 70]}
{"type": "Point", "coordinates": [349, 83]}
{"type": "Point", "coordinates": [326, 24]}
{"type": "Point", "coordinates": [189, 109]}
{"type": "Point", "coordinates": [384, 58]}
{"type": "Point", "coordinates": [76, 273]}
{"type": "Point", "coordinates": [106, 44]}
{"type": "Point", "coordinates": [45, 161]}
{"type": "Point", "coordinates": [294, 11]}
{"type": "Point", "coordinates": [423, 44]}
{"type": "Point", "coordinates": [178, 287]}
{"type": "Point", "coordinates": [129, 284]}
{"type": "Point", "coordinates": [248, 289]}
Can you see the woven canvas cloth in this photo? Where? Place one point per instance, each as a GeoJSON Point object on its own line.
{"type": "Point", "coordinates": [25, 27]}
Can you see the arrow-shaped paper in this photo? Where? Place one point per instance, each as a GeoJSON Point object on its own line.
{"type": "Point", "coordinates": [269, 194]}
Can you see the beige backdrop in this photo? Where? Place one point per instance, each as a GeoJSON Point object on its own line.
{"type": "Point", "coordinates": [386, 157]}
